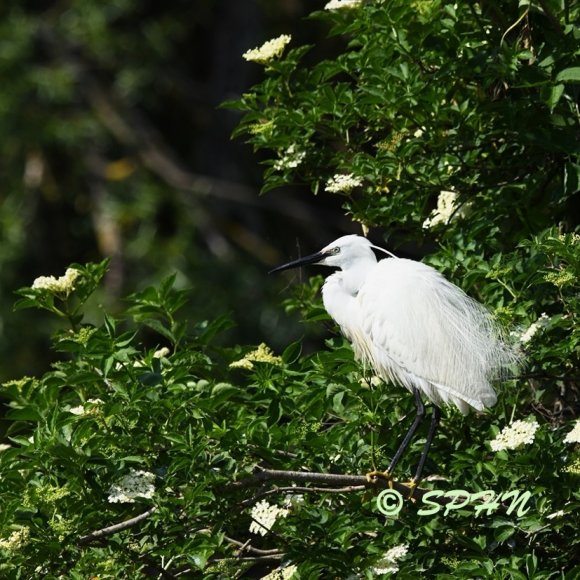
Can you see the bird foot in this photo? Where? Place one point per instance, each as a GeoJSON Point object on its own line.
{"type": "Point", "coordinates": [412, 485]}
{"type": "Point", "coordinates": [374, 476]}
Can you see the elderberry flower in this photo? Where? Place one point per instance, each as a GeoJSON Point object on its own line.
{"type": "Point", "coordinates": [513, 436]}
{"type": "Point", "coordinates": [574, 435]}
{"type": "Point", "coordinates": [541, 323]}
{"type": "Point", "coordinates": [343, 183]}
{"type": "Point", "coordinates": [388, 563]}
{"type": "Point", "coordinates": [446, 209]}
{"type": "Point", "coordinates": [340, 4]}
{"type": "Point", "coordinates": [64, 284]}
{"type": "Point", "coordinates": [268, 51]}
{"type": "Point", "coordinates": [264, 516]}
{"type": "Point", "coordinates": [262, 354]}
{"type": "Point", "coordinates": [134, 484]}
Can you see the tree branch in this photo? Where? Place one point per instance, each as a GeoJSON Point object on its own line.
{"type": "Point", "coordinates": [295, 489]}
{"type": "Point", "coordinates": [247, 547]}
{"type": "Point", "coordinates": [109, 530]}
{"type": "Point", "coordinates": [336, 482]}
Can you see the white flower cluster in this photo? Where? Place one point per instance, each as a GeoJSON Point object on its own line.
{"type": "Point", "coordinates": [514, 435]}
{"type": "Point", "coordinates": [574, 435]}
{"type": "Point", "coordinates": [16, 540]}
{"type": "Point", "coordinates": [264, 516]}
{"type": "Point", "coordinates": [281, 573]}
{"type": "Point", "coordinates": [541, 323]}
{"type": "Point", "coordinates": [338, 4]}
{"type": "Point", "coordinates": [573, 467]}
{"type": "Point", "coordinates": [263, 354]}
{"type": "Point", "coordinates": [388, 563]}
{"type": "Point", "coordinates": [343, 183]}
{"type": "Point", "coordinates": [161, 353]}
{"type": "Point", "coordinates": [82, 410]}
{"type": "Point", "coordinates": [135, 484]}
{"type": "Point", "coordinates": [65, 284]}
{"type": "Point", "coordinates": [268, 51]}
{"type": "Point", "coordinates": [291, 159]}
{"type": "Point", "coordinates": [374, 382]}
{"type": "Point", "coordinates": [446, 207]}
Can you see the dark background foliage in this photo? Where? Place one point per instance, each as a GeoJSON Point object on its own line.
{"type": "Point", "coordinates": [113, 144]}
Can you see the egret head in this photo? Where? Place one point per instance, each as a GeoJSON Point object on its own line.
{"type": "Point", "coordinates": [341, 253]}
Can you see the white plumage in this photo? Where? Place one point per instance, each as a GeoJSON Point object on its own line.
{"type": "Point", "coordinates": [411, 325]}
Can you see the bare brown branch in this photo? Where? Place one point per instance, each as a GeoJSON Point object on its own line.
{"type": "Point", "coordinates": [109, 530]}
{"type": "Point", "coordinates": [333, 482]}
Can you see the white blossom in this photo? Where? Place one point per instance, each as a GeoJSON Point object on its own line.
{"type": "Point", "coordinates": [374, 382]}
{"type": "Point", "coordinates": [339, 4]}
{"type": "Point", "coordinates": [4, 446]}
{"type": "Point", "coordinates": [264, 516]}
{"type": "Point", "coordinates": [516, 434]}
{"type": "Point", "coordinates": [343, 183]}
{"type": "Point", "coordinates": [291, 159]}
{"type": "Point", "coordinates": [388, 563]}
{"type": "Point", "coordinates": [292, 499]}
{"type": "Point", "coordinates": [541, 323]}
{"type": "Point", "coordinates": [16, 540]}
{"type": "Point", "coordinates": [135, 484]}
{"type": "Point", "coordinates": [574, 435]}
{"type": "Point", "coordinates": [269, 50]}
{"type": "Point", "coordinates": [281, 573]}
{"type": "Point", "coordinates": [573, 467]}
{"type": "Point", "coordinates": [446, 208]}
{"type": "Point", "coordinates": [64, 284]}
{"type": "Point", "coordinates": [263, 354]}
{"type": "Point", "coordinates": [92, 409]}
{"type": "Point", "coordinates": [161, 353]}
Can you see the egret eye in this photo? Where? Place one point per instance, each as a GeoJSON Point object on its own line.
{"type": "Point", "coordinates": [335, 250]}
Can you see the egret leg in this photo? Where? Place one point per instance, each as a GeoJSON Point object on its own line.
{"type": "Point", "coordinates": [432, 428]}
{"type": "Point", "coordinates": [407, 439]}
{"type": "Point", "coordinates": [373, 475]}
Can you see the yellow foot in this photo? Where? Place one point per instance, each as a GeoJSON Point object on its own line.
{"type": "Point", "coordinates": [374, 476]}
{"type": "Point", "coordinates": [412, 485]}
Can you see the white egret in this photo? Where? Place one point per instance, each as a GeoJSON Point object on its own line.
{"type": "Point", "coordinates": [412, 327]}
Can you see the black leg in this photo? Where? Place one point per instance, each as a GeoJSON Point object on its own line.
{"type": "Point", "coordinates": [432, 428]}
{"type": "Point", "coordinates": [405, 443]}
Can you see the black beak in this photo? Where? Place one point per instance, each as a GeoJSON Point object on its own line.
{"type": "Point", "coordinates": [312, 259]}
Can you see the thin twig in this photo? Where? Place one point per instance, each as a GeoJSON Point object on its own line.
{"type": "Point", "coordinates": [249, 558]}
{"type": "Point", "coordinates": [247, 547]}
{"type": "Point", "coordinates": [293, 489]}
{"type": "Point", "coordinates": [109, 530]}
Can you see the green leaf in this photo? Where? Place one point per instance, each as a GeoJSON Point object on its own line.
{"type": "Point", "coordinates": [556, 92]}
{"type": "Point", "coordinates": [571, 74]}
{"type": "Point", "coordinates": [159, 327]}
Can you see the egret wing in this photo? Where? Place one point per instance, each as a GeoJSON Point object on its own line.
{"type": "Point", "coordinates": [426, 332]}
